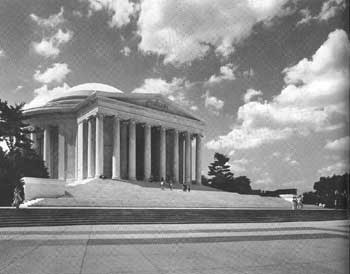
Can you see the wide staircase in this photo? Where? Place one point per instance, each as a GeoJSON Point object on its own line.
{"type": "Point", "coordinates": [10, 217]}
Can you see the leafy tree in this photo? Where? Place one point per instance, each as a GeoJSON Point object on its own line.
{"type": "Point", "coordinates": [20, 160]}
{"type": "Point", "coordinates": [13, 130]}
{"type": "Point", "coordinates": [220, 170]}
{"type": "Point", "coordinates": [331, 191]}
{"type": "Point", "coordinates": [224, 179]}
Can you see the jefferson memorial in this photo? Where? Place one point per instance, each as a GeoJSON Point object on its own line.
{"type": "Point", "coordinates": [96, 130]}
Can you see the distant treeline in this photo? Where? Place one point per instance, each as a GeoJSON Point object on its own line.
{"type": "Point", "coordinates": [333, 192]}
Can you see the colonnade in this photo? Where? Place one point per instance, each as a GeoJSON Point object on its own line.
{"type": "Point", "coordinates": [95, 158]}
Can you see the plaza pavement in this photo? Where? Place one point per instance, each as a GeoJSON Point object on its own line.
{"type": "Point", "coordinates": [293, 247]}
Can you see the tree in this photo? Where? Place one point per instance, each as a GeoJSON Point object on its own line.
{"type": "Point", "coordinates": [20, 160]}
{"type": "Point", "coordinates": [220, 171]}
{"type": "Point", "coordinates": [331, 191]}
{"type": "Point", "coordinates": [224, 179]}
{"type": "Point", "coordinates": [13, 130]}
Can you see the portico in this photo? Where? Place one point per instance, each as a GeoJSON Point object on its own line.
{"type": "Point", "coordinates": [94, 132]}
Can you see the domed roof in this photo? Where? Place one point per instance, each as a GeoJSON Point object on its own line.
{"type": "Point", "coordinates": [89, 88]}
{"type": "Point", "coordinates": [78, 93]}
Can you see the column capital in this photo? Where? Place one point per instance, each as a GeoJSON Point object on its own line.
{"type": "Point", "coordinates": [99, 115]}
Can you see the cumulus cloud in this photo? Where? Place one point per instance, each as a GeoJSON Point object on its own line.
{"type": "Point", "coordinates": [338, 168]}
{"type": "Point", "coordinates": [183, 30]}
{"type": "Point", "coordinates": [121, 11]}
{"type": "Point", "coordinates": [313, 99]}
{"type": "Point", "coordinates": [44, 95]}
{"type": "Point", "coordinates": [51, 22]}
{"type": "Point", "coordinates": [248, 73]}
{"type": "Point", "coordinates": [226, 73]}
{"type": "Point", "coordinates": [329, 9]}
{"type": "Point", "coordinates": [157, 85]}
{"type": "Point", "coordinates": [212, 103]}
{"type": "Point", "coordinates": [56, 73]}
{"type": "Point", "coordinates": [342, 144]}
{"type": "Point", "coordinates": [173, 90]}
{"type": "Point", "coordinates": [290, 161]}
{"type": "Point", "coordinates": [250, 94]}
{"type": "Point", "coordinates": [49, 46]}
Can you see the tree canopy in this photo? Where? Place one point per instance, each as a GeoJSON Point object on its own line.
{"type": "Point", "coordinates": [223, 178]}
{"type": "Point", "coordinates": [19, 160]}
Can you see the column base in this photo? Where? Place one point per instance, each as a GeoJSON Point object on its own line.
{"type": "Point", "coordinates": [115, 178]}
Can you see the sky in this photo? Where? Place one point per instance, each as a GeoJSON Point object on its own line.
{"type": "Point", "coordinates": [269, 77]}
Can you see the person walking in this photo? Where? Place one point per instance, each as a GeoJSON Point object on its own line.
{"type": "Point", "coordinates": [162, 183]}
{"type": "Point", "coordinates": [294, 203]}
{"type": "Point", "coordinates": [17, 199]}
{"type": "Point", "coordinates": [300, 202]}
{"type": "Point", "coordinates": [170, 182]}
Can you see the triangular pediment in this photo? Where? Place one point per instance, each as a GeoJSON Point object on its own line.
{"type": "Point", "coordinates": [156, 102]}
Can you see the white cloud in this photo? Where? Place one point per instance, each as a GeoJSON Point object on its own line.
{"type": "Point", "coordinates": [329, 9]}
{"type": "Point", "coordinates": [157, 85]}
{"type": "Point", "coordinates": [56, 73]}
{"type": "Point", "coordinates": [338, 168]}
{"type": "Point", "coordinates": [248, 73]}
{"type": "Point", "coordinates": [194, 108]}
{"type": "Point", "coordinates": [121, 11]}
{"type": "Point", "coordinates": [251, 93]}
{"type": "Point", "coordinates": [342, 144]}
{"type": "Point", "coordinates": [182, 30]}
{"type": "Point", "coordinates": [44, 95]}
{"type": "Point", "coordinates": [290, 161]}
{"type": "Point", "coordinates": [314, 99]}
{"type": "Point", "coordinates": [2, 53]}
{"type": "Point", "coordinates": [49, 46]}
{"type": "Point", "coordinates": [18, 88]}
{"type": "Point", "coordinates": [174, 90]}
{"type": "Point", "coordinates": [226, 73]}
{"type": "Point", "coordinates": [212, 103]}
{"type": "Point", "coordinates": [239, 165]}
{"type": "Point", "coordinates": [51, 22]}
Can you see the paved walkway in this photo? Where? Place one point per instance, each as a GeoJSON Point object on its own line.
{"type": "Point", "coordinates": [301, 247]}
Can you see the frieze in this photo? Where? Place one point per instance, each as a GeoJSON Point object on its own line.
{"type": "Point", "coordinates": [157, 104]}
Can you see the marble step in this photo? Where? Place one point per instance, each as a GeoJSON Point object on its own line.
{"type": "Point", "coordinates": [50, 217]}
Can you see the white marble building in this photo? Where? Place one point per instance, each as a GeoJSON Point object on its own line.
{"type": "Point", "coordinates": [95, 129]}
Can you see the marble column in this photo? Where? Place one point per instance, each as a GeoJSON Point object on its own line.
{"type": "Point", "coordinates": [198, 159]}
{"type": "Point", "coordinates": [116, 148]}
{"type": "Point", "coordinates": [61, 155]}
{"type": "Point", "coordinates": [90, 149]}
{"type": "Point", "coordinates": [47, 149]}
{"type": "Point", "coordinates": [99, 146]}
{"type": "Point", "coordinates": [147, 154]}
{"type": "Point", "coordinates": [176, 156]}
{"type": "Point", "coordinates": [162, 158]}
{"type": "Point", "coordinates": [132, 150]}
{"type": "Point", "coordinates": [181, 159]}
{"type": "Point", "coordinates": [34, 139]}
{"type": "Point", "coordinates": [80, 145]}
{"type": "Point", "coordinates": [187, 158]}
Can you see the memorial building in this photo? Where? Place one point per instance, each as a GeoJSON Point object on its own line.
{"type": "Point", "coordinates": [96, 130]}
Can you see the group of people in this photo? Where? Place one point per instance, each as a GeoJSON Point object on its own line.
{"type": "Point", "coordinates": [169, 182]}
{"type": "Point", "coordinates": [297, 202]}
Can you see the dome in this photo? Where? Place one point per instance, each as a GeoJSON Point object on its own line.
{"type": "Point", "coordinates": [78, 93]}
{"type": "Point", "coordinates": [89, 88]}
